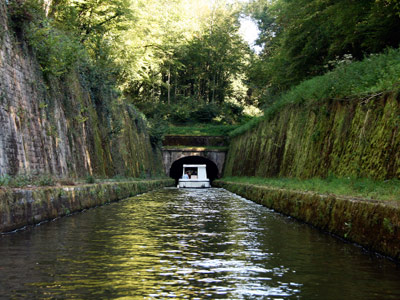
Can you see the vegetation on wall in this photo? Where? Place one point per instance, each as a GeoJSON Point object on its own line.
{"type": "Point", "coordinates": [356, 138]}
{"type": "Point", "coordinates": [185, 63]}
{"type": "Point", "coordinates": [349, 81]}
{"type": "Point", "coordinates": [388, 190]}
{"type": "Point", "coordinates": [72, 42]}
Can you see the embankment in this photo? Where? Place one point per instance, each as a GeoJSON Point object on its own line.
{"type": "Point", "coordinates": [69, 125]}
{"type": "Point", "coordinates": [21, 207]}
{"type": "Point", "coordinates": [371, 224]}
{"type": "Point", "coordinates": [356, 138]}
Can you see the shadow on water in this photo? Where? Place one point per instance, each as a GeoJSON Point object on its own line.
{"type": "Point", "coordinates": [187, 244]}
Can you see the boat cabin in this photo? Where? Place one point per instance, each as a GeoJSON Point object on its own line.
{"type": "Point", "coordinates": [194, 176]}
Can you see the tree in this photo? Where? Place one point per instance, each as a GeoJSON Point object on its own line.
{"type": "Point", "coordinates": [303, 38]}
{"type": "Point", "coordinates": [167, 61]}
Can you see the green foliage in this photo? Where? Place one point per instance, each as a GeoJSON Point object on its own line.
{"type": "Point", "coordinates": [5, 180]}
{"type": "Point", "coordinates": [204, 113]}
{"type": "Point", "coordinates": [45, 180]}
{"type": "Point", "coordinates": [142, 176]}
{"type": "Point", "coordinates": [24, 180]}
{"type": "Point", "coordinates": [348, 82]}
{"type": "Point", "coordinates": [70, 31]}
{"type": "Point", "coordinates": [302, 37]}
{"type": "Point", "coordinates": [18, 181]}
{"type": "Point", "coordinates": [388, 225]}
{"type": "Point", "coordinates": [192, 69]}
{"type": "Point", "coordinates": [209, 63]}
{"type": "Point", "coordinates": [245, 127]}
{"type": "Point", "coordinates": [22, 13]}
{"type": "Point", "coordinates": [92, 20]}
{"type": "Point", "coordinates": [202, 130]}
{"type": "Point", "coordinates": [187, 112]}
{"type": "Point", "coordinates": [90, 179]}
{"type": "Point", "coordinates": [356, 187]}
{"type": "Point", "coordinates": [57, 51]}
{"type": "Point", "coordinates": [179, 114]}
{"type": "Point", "coordinates": [376, 73]}
{"type": "Point", "coordinates": [188, 72]}
{"type": "Point", "coordinates": [157, 129]}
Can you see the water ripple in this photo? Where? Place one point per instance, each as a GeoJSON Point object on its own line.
{"type": "Point", "coordinates": [186, 244]}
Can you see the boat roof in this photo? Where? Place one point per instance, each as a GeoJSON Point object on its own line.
{"type": "Point", "coordinates": [194, 166]}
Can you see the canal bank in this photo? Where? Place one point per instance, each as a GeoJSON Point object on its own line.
{"type": "Point", "coordinates": [188, 244]}
{"type": "Point", "coordinates": [28, 206]}
{"type": "Point", "coordinates": [371, 224]}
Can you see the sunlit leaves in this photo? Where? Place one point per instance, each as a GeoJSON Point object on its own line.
{"type": "Point", "coordinates": [301, 37]}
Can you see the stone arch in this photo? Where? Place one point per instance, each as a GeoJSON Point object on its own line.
{"type": "Point", "coordinates": [172, 155]}
{"type": "Point", "coordinates": [177, 166]}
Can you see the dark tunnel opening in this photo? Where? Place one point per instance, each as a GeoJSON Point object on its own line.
{"type": "Point", "coordinates": [177, 167]}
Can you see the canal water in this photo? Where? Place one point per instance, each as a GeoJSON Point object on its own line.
{"type": "Point", "coordinates": [187, 244]}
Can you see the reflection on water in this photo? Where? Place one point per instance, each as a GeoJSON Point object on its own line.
{"type": "Point", "coordinates": [187, 244]}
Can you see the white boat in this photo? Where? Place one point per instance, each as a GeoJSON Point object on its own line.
{"type": "Point", "coordinates": [194, 176]}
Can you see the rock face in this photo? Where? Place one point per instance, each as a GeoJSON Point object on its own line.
{"type": "Point", "coordinates": [345, 138]}
{"type": "Point", "coordinates": [59, 127]}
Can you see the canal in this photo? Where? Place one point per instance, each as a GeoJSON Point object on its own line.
{"type": "Point", "coordinates": [187, 244]}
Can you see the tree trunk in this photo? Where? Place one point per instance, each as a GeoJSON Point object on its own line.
{"type": "Point", "coordinates": [169, 84]}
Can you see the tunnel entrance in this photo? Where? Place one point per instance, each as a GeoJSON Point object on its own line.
{"type": "Point", "coordinates": [177, 167]}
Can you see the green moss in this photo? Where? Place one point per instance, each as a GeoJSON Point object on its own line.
{"type": "Point", "coordinates": [388, 190]}
{"type": "Point", "coordinates": [51, 202]}
{"type": "Point", "coordinates": [355, 139]}
{"type": "Point", "coordinates": [388, 225]}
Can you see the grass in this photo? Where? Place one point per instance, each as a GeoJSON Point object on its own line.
{"type": "Point", "coordinates": [202, 130]}
{"type": "Point", "coordinates": [388, 190]}
{"type": "Point", "coordinates": [23, 181]}
{"type": "Point", "coordinates": [348, 82]}
{"type": "Point", "coordinates": [27, 180]}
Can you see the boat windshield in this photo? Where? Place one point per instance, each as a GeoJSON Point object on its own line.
{"type": "Point", "coordinates": [191, 171]}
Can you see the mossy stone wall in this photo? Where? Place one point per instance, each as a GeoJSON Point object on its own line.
{"type": "Point", "coordinates": [21, 207]}
{"type": "Point", "coordinates": [68, 126]}
{"type": "Point", "coordinates": [195, 141]}
{"type": "Point", "coordinates": [344, 138]}
{"type": "Point", "coordinates": [372, 225]}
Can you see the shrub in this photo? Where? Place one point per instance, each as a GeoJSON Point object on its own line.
{"type": "Point", "coordinates": [90, 179]}
{"type": "Point", "coordinates": [45, 180]}
{"type": "Point", "coordinates": [157, 129]}
{"type": "Point", "coordinates": [204, 113]}
{"type": "Point", "coordinates": [23, 12]}
{"type": "Point", "coordinates": [56, 51]}
{"type": "Point", "coordinates": [179, 114]}
{"type": "Point", "coordinates": [5, 180]}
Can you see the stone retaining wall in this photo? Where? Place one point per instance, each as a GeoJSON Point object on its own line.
{"type": "Point", "coordinates": [65, 126]}
{"type": "Point", "coordinates": [21, 207]}
{"type": "Point", "coordinates": [371, 224]}
{"type": "Point", "coordinates": [195, 141]}
{"type": "Point", "coordinates": [354, 138]}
